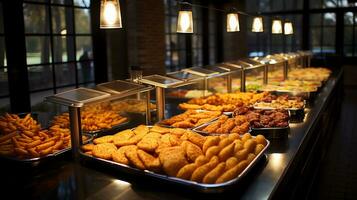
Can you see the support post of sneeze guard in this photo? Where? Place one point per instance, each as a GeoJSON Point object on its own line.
{"type": "Point", "coordinates": [242, 81]}
{"type": "Point", "coordinates": [285, 69]}
{"type": "Point", "coordinates": [229, 83]}
{"type": "Point", "coordinates": [148, 111]}
{"type": "Point", "coordinates": [160, 103]}
{"type": "Point", "coordinates": [76, 131]}
{"type": "Point", "coordinates": [265, 77]}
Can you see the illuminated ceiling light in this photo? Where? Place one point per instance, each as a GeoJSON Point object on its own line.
{"type": "Point", "coordinates": [232, 22]}
{"type": "Point", "coordinates": [276, 27]}
{"type": "Point", "coordinates": [110, 14]}
{"type": "Point", "coordinates": [257, 25]}
{"type": "Point", "coordinates": [288, 28]}
{"type": "Point", "coordinates": [185, 21]}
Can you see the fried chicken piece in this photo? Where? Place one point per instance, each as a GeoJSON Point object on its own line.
{"type": "Point", "coordinates": [122, 138]}
{"type": "Point", "coordinates": [201, 171]}
{"type": "Point", "coordinates": [241, 129]}
{"type": "Point", "coordinates": [149, 142]}
{"type": "Point", "coordinates": [226, 152]}
{"type": "Point", "coordinates": [131, 152]}
{"type": "Point", "coordinates": [210, 141]}
{"type": "Point", "coordinates": [212, 127]}
{"type": "Point", "coordinates": [192, 150]}
{"type": "Point", "coordinates": [186, 171]}
{"type": "Point", "coordinates": [104, 150]}
{"type": "Point", "coordinates": [196, 138]}
{"type": "Point", "coordinates": [212, 176]}
{"type": "Point", "coordinates": [172, 159]}
{"type": "Point", "coordinates": [119, 155]}
{"type": "Point", "coordinates": [159, 129]}
{"type": "Point", "coordinates": [103, 139]}
{"type": "Point", "coordinates": [227, 126]}
{"type": "Point", "coordinates": [183, 124]}
{"type": "Point", "coordinates": [141, 130]}
{"type": "Point", "coordinates": [231, 162]}
{"type": "Point", "coordinates": [233, 172]}
{"type": "Point", "coordinates": [151, 163]}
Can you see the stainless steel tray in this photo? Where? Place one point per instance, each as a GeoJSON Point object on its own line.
{"type": "Point", "coordinates": [296, 114]}
{"type": "Point", "coordinates": [37, 161]}
{"type": "Point", "coordinates": [201, 187]}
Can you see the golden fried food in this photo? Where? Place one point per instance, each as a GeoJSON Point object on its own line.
{"type": "Point", "coordinates": [151, 163]}
{"type": "Point", "coordinates": [122, 138]}
{"type": "Point", "coordinates": [233, 172]}
{"type": "Point", "coordinates": [258, 149]}
{"type": "Point", "coordinates": [250, 145]}
{"type": "Point", "coordinates": [231, 162]}
{"type": "Point", "coordinates": [131, 153]}
{"type": "Point", "coordinates": [186, 171]}
{"type": "Point", "coordinates": [201, 171]}
{"type": "Point", "coordinates": [212, 176]}
{"type": "Point", "coordinates": [104, 150]}
{"type": "Point", "coordinates": [141, 130]}
{"type": "Point", "coordinates": [250, 157]}
{"type": "Point", "coordinates": [149, 142]}
{"type": "Point", "coordinates": [104, 139]}
{"type": "Point", "coordinates": [119, 155]}
{"type": "Point", "coordinates": [131, 105]}
{"type": "Point", "coordinates": [201, 160]}
{"type": "Point", "coordinates": [234, 136]}
{"type": "Point", "coordinates": [238, 145]}
{"type": "Point", "coordinates": [224, 142]}
{"type": "Point", "coordinates": [260, 139]}
{"type": "Point", "coordinates": [226, 152]}
{"type": "Point", "coordinates": [241, 154]}
{"type": "Point", "coordinates": [88, 147]}
{"type": "Point", "coordinates": [212, 151]}
{"type": "Point", "coordinates": [210, 141]}
{"type": "Point", "coordinates": [246, 137]}
{"type": "Point", "coordinates": [193, 151]}
{"type": "Point", "coordinates": [196, 138]}
{"type": "Point", "coordinates": [172, 160]}
{"type": "Point", "coordinates": [226, 125]}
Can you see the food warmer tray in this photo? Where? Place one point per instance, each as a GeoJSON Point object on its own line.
{"type": "Point", "coordinates": [200, 187]}
{"type": "Point", "coordinates": [214, 119]}
{"type": "Point", "coordinates": [34, 162]}
{"type": "Point", "coordinates": [295, 114]}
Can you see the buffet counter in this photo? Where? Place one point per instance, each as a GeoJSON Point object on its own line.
{"type": "Point", "coordinates": [284, 172]}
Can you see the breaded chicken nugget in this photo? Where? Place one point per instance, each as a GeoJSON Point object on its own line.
{"type": "Point", "coordinates": [212, 176]}
{"type": "Point", "coordinates": [151, 163]}
{"type": "Point", "coordinates": [233, 172]}
{"type": "Point", "coordinates": [172, 159]}
{"type": "Point", "coordinates": [160, 129]}
{"type": "Point", "coordinates": [132, 155]}
{"type": "Point", "coordinates": [258, 149]}
{"type": "Point", "coordinates": [246, 137]}
{"type": "Point", "coordinates": [260, 139]}
{"type": "Point", "coordinates": [234, 136]}
{"type": "Point", "coordinates": [174, 140]}
{"type": "Point", "coordinates": [241, 154]}
{"type": "Point", "coordinates": [104, 150]}
{"type": "Point", "coordinates": [186, 171]}
{"type": "Point", "coordinates": [192, 151]}
{"type": "Point", "coordinates": [210, 141]}
{"type": "Point", "coordinates": [201, 160]}
{"type": "Point", "coordinates": [212, 151]}
{"type": "Point", "coordinates": [196, 138]}
{"type": "Point", "coordinates": [119, 155]}
{"type": "Point", "coordinates": [238, 145]}
{"type": "Point", "coordinates": [87, 147]}
{"type": "Point", "coordinates": [104, 139]}
{"type": "Point", "coordinates": [231, 162]}
{"type": "Point", "coordinates": [250, 145]}
{"type": "Point", "coordinates": [149, 142]}
{"type": "Point", "coordinates": [141, 130]}
{"type": "Point", "coordinates": [122, 138]}
{"type": "Point", "coordinates": [201, 171]}
{"type": "Point", "coordinates": [224, 142]}
{"type": "Point", "coordinates": [226, 152]}
{"type": "Point", "coordinates": [177, 131]}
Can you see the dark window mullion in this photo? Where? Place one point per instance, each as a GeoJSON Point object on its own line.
{"type": "Point", "coordinates": [52, 48]}
{"type": "Point", "coordinates": [75, 46]}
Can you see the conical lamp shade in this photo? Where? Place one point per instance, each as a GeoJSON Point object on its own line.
{"type": "Point", "coordinates": [288, 28]}
{"type": "Point", "coordinates": [232, 22]}
{"type": "Point", "coordinates": [276, 27]}
{"type": "Point", "coordinates": [185, 21]}
{"type": "Point", "coordinates": [110, 14]}
{"type": "Point", "coordinates": [257, 25]}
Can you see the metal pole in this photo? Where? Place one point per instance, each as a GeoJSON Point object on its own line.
{"type": "Point", "coordinates": [286, 65]}
{"type": "Point", "coordinates": [160, 103]}
{"type": "Point", "coordinates": [205, 86]}
{"type": "Point", "coordinates": [229, 83]}
{"type": "Point", "coordinates": [265, 77]}
{"type": "Point", "coordinates": [148, 111]}
{"type": "Point", "coordinates": [242, 81]}
{"type": "Point", "coordinates": [76, 131]}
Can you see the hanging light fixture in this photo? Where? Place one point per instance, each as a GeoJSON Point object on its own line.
{"type": "Point", "coordinates": [110, 14]}
{"type": "Point", "coordinates": [288, 28]}
{"type": "Point", "coordinates": [276, 27]}
{"type": "Point", "coordinates": [257, 25]}
{"type": "Point", "coordinates": [184, 20]}
{"type": "Point", "coordinates": [232, 22]}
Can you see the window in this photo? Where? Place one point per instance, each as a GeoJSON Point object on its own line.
{"type": "Point", "coordinates": [350, 34]}
{"type": "Point", "coordinates": [58, 45]}
{"type": "Point", "coordinates": [330, 3]}
{"type": "Point", "coordinates": [4, 87]}
{"type": "Point", "coordinates": [322, 33]}
{"type": "Point", "coordinates": [185, 50]}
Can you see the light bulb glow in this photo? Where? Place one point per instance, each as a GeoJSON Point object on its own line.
{"type": "Point", "coordinates": [288, 28]}
{"type": "Point", "coordinates": [276, 27]}
{"type": "Point", "coordinates": [257, 25]}
{"type": "Point", "coordinates": [110, 14]}
{"type": "Point", "coordinates": [185, 22]}
{"type": "Point", "coordinates": [232, 22]}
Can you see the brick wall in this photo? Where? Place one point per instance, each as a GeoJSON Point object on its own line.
{"type": "Point", "coordinates": [146, 39]}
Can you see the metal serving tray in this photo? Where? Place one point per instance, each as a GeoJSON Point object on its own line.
{"type": "Point", "coordinates": [214, 119]}
{"type": "Point", "coordinates": [201, 187]}
{"type": "Point", "coordinates": [33, 162]}
{"type": "Point", "coordinates": [296, 114]}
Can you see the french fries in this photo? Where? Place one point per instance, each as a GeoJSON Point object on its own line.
{"type": "Point", "coordinates": [93, 118]}
{"type": "Point", "coordinates": [23, 137]}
